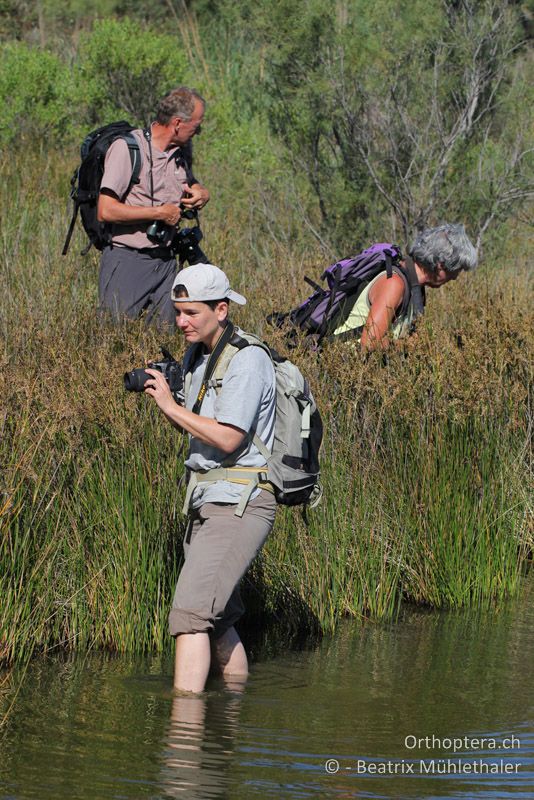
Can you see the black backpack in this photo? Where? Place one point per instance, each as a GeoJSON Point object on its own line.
{"type": "Point", "coordinates": [85, 182]}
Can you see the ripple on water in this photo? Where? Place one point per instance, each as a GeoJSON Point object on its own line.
{"type": "Point", "coordinates": [109, 727]}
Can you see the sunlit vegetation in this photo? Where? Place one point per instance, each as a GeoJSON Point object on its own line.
{"type": "Point", "coordinates": [427, 461]}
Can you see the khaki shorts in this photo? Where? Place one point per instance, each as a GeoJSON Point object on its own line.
{"type": "Point", "coordinates": [219, 547]}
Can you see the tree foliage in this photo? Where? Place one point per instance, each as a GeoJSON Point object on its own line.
{"type": "Point", "coordinates": [366, 121]}
{"type": "Point", "coordinates": [123, 68]}
{"type": "Point", "coordinates": [120, 70]}
{"type": "Point", "coordinates": [34, 91]}
{"type": "Point", "coordinates": [418, 109]}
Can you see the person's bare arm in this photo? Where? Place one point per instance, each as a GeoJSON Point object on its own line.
{"type": "Point", "coordinates": [385, 297]}
{"type": "Point", "coordinates": [225, 437]}
{"type": "Point", "coordinates": [110, 209]}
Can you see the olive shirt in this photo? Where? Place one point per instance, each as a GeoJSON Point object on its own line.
{"type": "Point", "coordinates": [400, 326]}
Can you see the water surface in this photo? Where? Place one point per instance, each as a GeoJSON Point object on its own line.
{"type": "Point", "coordinates": [380, 705]}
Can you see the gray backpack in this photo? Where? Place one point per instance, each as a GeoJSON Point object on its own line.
{"type": "Point", "coordinates": [292, 469]}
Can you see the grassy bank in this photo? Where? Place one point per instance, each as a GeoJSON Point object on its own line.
{"type": "Point", "coordinates": [427, 465]}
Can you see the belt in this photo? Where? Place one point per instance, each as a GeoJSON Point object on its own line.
{"type": "Point", "coordinates": [157, 252]}
{"type": "Point", "coordinates": [153, 252]}
{"type": "Point", "coordinates": [251, 477]}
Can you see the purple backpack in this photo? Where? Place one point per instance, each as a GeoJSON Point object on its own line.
{"type": "Point", "coordinates": [328, 308]}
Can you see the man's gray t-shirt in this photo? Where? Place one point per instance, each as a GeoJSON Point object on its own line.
{"type": "Point", "coordinates": [247, 400]}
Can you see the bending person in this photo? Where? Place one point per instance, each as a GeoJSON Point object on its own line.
{"type": "Point", "coordinates": [439, 255]}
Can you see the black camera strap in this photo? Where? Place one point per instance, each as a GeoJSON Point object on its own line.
{"type": "Point", "coordinates": [179, 158]}
{"type": "Point", "coordinates": [417, 291]}
{"type": "Point", "coordinates": [215, 354]}
{"type": "Point", "coordinates": [148, 136]}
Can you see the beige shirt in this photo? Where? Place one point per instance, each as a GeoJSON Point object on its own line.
{"type": "Point", "coordinates": [357, 318]}
{"type": "Point", "coordinates": [167, 176]}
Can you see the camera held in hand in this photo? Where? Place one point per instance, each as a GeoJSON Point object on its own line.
{"type": "Point", "coordinates": [171, 370]}
{"type": "Point", "coordinates": [186, 246]}
{"type": "Point", "coordinates": [160, 233]}
{"type": "Point", "coordinates": [184, 242]}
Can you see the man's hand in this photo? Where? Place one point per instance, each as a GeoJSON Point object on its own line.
{"type": "Point", "coordinates": [168, 213]}
{"type": "Point", "coordinates": [110, 209]}
{"type": "Point", "coordinates": [196, 196]}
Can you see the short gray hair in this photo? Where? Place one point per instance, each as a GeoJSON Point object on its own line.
{"type": "Point", "coordinates": [179, 102]}
{"type": "Point", "coordinates": [447, 245]}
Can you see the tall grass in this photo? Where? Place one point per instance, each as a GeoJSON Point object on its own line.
{"type": "Point", "coordinates": [426, 464]}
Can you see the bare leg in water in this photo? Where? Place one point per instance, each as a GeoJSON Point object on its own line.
{"type": "Point", "coordinates": [195, 653]}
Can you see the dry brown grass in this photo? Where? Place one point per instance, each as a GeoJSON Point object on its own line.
{"type": "Point", "coordinates": [427, 460]}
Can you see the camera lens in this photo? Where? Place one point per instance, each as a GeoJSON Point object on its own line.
{"type": "Point", "coordinates": [135, 380]}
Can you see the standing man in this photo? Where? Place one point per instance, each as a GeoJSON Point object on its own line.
{"type": "Point", "coordinates": [228, 523]}
{"type": "Point", "coordinates": [137, 270]}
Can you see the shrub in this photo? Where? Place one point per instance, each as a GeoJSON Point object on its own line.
{"type": "Point", "coordinates": [34, 87]}
{"type": "Point", "coordinates": [124, 68]}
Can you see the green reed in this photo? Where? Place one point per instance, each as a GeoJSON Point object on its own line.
{"type": "Point", "coordinates": [426, 464]}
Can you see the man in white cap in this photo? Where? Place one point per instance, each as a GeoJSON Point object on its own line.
{"type": "Point", "coordinates": [231, 509]}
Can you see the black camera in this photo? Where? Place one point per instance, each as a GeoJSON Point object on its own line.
{"type": "Point", "coordinates": [171, 370]}
{"type": "Point", "coordinates": [159, 233]}
{"type": "Point", "coordinates": [185, 245]}
{"type": "Point", "coordinates": [189, 213]}
{"type": "Point", "coordinates": [184, 242]}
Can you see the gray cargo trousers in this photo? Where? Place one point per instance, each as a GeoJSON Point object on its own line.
{"type": "Point", "coordinates": [219, 547]}
{"type": "Point", "coordinates": [135, 281]}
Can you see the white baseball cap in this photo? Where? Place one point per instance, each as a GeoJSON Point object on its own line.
{"type": "Point", "coordinates": [204, 282]}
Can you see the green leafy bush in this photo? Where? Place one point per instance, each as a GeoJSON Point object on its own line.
{"type": "Point", "coordinates": [380, 104]}
{"type": "Point", "coordinates": [123, 68]}
{"type": "Point", "coordinates": [34, 90]}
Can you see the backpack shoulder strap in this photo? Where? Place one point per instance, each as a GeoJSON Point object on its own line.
{"type": "Point", "coordinates": [238, 342]}
{"type": "Point", "coordinates": [233, 345]}
{"type": "Point", "coordinates": [416, 290]}
{"type": "Point", "coordinates": [135, 157]}
{"type": "Point", "coordinates": [191, 355]}
{"type": "Point", "coordinates": [397, 270]}
{"type": "Point", "coordinates": [183, 157]}
{"type": "Point", "coordinates": [212, 363]}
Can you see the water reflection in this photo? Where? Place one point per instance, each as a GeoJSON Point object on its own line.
{"type": "Point", "coordinates": [109, 727]}
{"type": "Point", "coordinates": [201, 742]}
{"type": "Point", "coordinates": [102, 726]}
{"type": "Point", "coordinates": [368, 689]}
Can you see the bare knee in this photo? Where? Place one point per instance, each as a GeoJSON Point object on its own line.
{"type": "Point", "coordinates": [229, 655]}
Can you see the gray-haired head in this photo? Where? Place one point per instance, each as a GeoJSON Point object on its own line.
{"type": "Point", "coordinates": [447, 245]}
{"type": "Point", "coordinates": [179, 102]}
